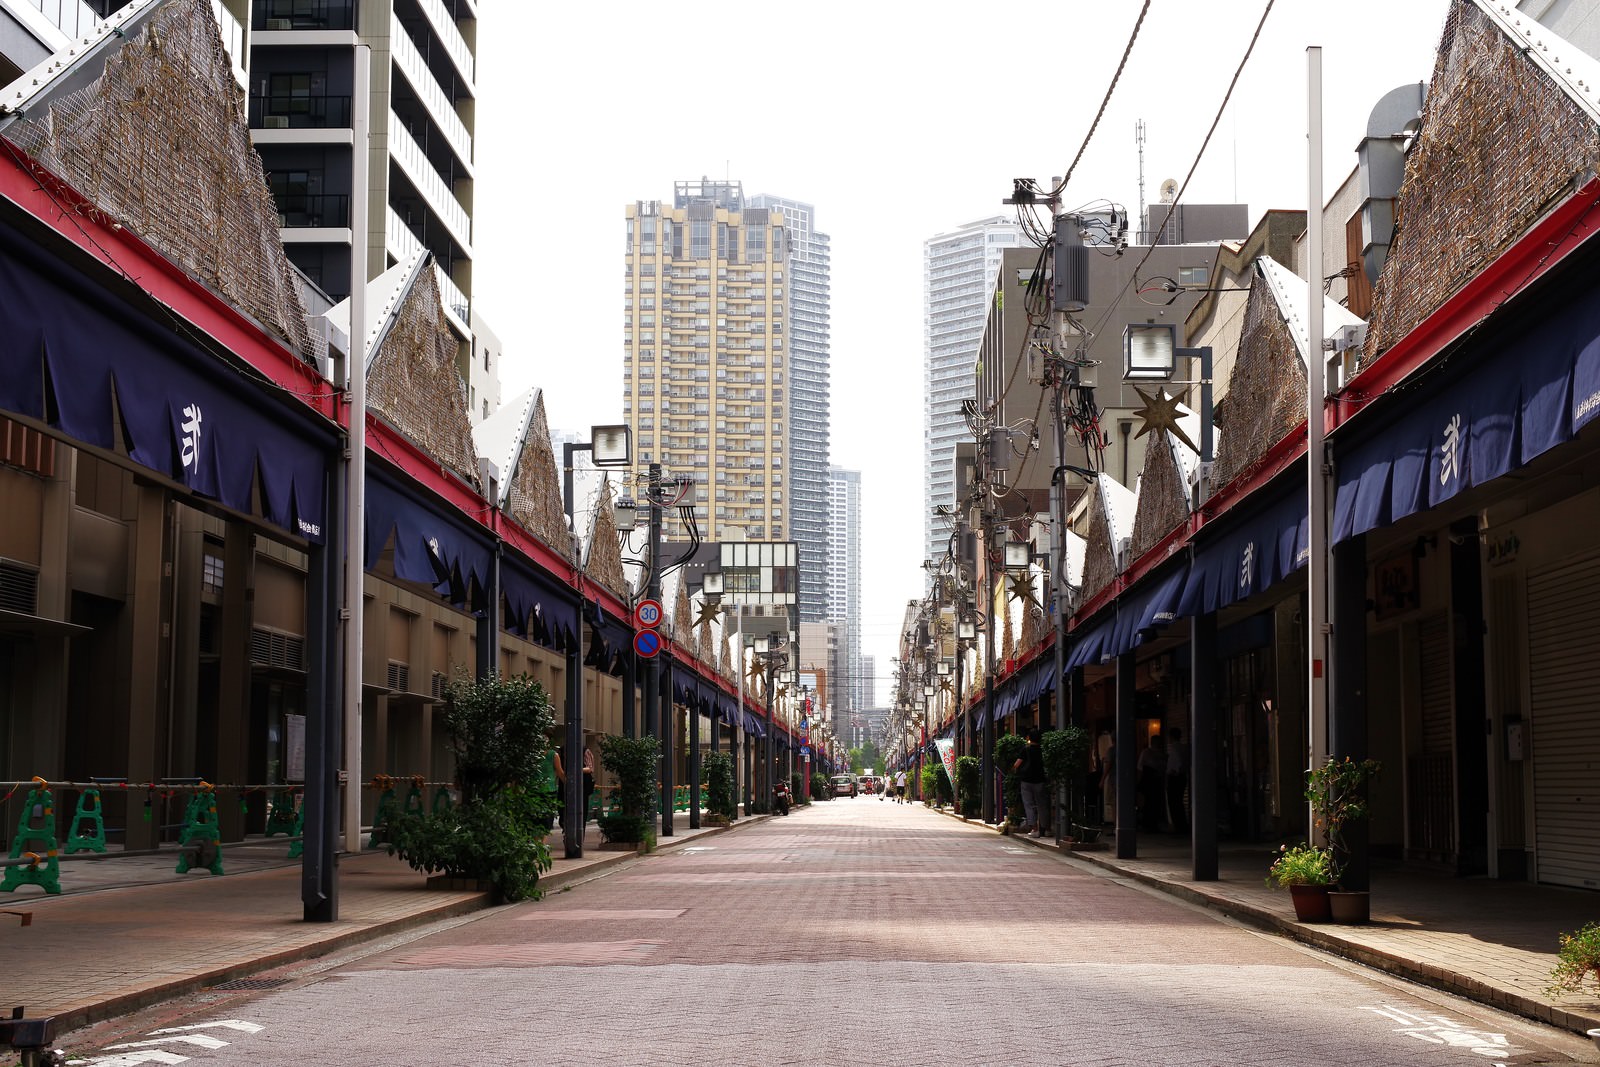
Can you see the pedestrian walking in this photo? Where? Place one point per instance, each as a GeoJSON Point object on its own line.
{"type": "Point", "coordinates": [588, 782]}
{"type": "Point", "coordinates": [1177, 781]}
{"type": "Point", "coordinates": [552, 777]}
{"type": "Point", "coordinates": [900, 787]}
{"type": "Point", "coordinates": [1029, 770]}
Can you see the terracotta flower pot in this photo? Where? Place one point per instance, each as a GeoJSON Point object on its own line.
{"type": "Point", "coordinates": [1310, 903]}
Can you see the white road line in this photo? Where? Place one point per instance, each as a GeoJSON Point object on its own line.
{"type": "Point", "coordinates": [232, 1024]}
{"type": "Point", "coordinates": [202, 1040]}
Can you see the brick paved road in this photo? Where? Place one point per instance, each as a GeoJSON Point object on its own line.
{"type": "Point", "coordinates": [853, 931]}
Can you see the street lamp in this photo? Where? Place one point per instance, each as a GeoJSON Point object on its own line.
{"type": "Point", "coordinates": [609, 446]}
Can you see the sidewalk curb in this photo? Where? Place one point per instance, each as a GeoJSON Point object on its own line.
{"type": "Point", "coordinates": [77, 1018]}
{"type": "Point", "coordinates": [1324, 939]}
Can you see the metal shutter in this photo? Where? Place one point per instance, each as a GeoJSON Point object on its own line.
{"type": "Point", "coordinates": [1564, 684]}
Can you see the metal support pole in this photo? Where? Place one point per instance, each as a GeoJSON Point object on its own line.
{"type": "Point", "coordinates": [572, 748]}
{"type": "Point", "coordinates": [669, 731]}
{"type": "Point", "coordinates": [1203, 747]}
{"type": "Point", "coordinates": [986, 738]}
{"type": "Point", "coordinates": [1316, 390]}
{"type": "Point", "coordinates": [356, 478]}
{"type": "Point", "coordinates": [1348, 689]}
{"type": "Point", "coordinates": [567, 451]}
{"type": "Point", "coordinates": [1127, 782]}
{"type": "Point", "coordinates": [319, 869]}
{"type": "Point", "coordinates": [694, 762]}
{"type": "Point", "coordinates": [652, 669]}
{"type": "Point", "coordinates": [630, 694]}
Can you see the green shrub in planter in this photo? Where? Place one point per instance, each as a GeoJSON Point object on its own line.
{"type": "Point", "coordinates": [1008, 749]}
{"type": "Point", "coordinates": [717, 771]}
{"type": "Point", "coordinates": [1066, 761]}
{"type": "Point", "coordinates": [498, 731]}
{"type": "Point", "coordinates": [819, 786]}
{"type": "Point", "coordinates": [633, 760]}
{"type": "Point", "coordinates": [497, 839]}
{"type": "Point", "coordinates": [796, 793]}
{"type": "Point", "coordinates": [969, 769]}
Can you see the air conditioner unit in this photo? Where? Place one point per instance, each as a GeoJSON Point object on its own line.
{"type": "Point", "coordinates": [275, 122]}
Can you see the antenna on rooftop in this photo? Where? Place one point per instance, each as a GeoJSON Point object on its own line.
{"type": "Point", "coordinates": [1138, 137]}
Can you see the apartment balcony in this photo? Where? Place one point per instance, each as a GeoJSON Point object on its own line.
{"type": "Point", "coordinates": [444, 27]}
{"type": "Point", "coordinates": [290, 112]}
{"type": "Point", "coordinates": [313, 210]}
{"type": "Point", "coordinates": [408, 155]}
{"type": "Point", "coordinates": [434, 99]}
{"type": "Point", "coordinates": [270, 15]}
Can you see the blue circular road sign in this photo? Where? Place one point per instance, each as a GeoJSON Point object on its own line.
{"type": "Point", "coordinates": [647, 643]}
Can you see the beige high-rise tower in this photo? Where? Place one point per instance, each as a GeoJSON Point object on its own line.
{"type": "Point", "coordinates": [705, 355]}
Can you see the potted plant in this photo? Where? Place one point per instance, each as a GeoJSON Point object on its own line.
{"type": "Point", "coordinates": [1007, 750]}
{"type": "Point", "coordinates": [1306, 872]}
{"type": "Point", "coordinates": [1337, 794]}
{"type": "Point", "coordinates": [968, 772]}
{"type": "Point", "coordinates": [633, 760]}
{"type": "Point", "coordinates": [1066, 758]}
{"type": "Point", "coordinates": [498, 729]}
{"type": "Point", "coordinates": [717, 771]}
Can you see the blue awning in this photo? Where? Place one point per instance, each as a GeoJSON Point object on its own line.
{"type": "Point", "coordinates": [1151, 603]}
{"type": "Point", "coordinates": [753, 726]}
{"type": "Point", "coordinates": [539, 604]}
{"type": "Point", "coordinates": [1508, 398]}
{"type": "Point", "coordinates": [113, 374]}
{"type": "Point", "coordinates": [431, 546]}
{"type": "Point", "coordinates": [1086, 642]}
{"type": "Point", "coordinates": [725, 709]}
{"type": "Point", "coordinates": [1257, 551]}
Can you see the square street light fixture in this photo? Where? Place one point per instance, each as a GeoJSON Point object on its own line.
{"type": "Point", "coordinates": [966, 629]}
{"type": "Point", "coordinates": [944, 668]}
{"type": "Point", "coordinates": [711, 583]}
{"type": "Point", "coordinates": [613, 445]}
{"type": "Point", "coordinates": [1018, 555]}
{"type": "Point", "coordinates": [1149, 351]}
{"type": "Point", "coordinates": [927, 690]}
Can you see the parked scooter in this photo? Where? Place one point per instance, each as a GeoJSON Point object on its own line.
{"type": "Point", "coordinates": [780, 798]}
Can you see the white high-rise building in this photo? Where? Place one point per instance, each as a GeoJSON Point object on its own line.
{"type": "Point", "coordinates": [844, 580]}
{"type": "Point", "coordinates": [808, 398]}
{"type": "Point", "coordinates": [958, 272]}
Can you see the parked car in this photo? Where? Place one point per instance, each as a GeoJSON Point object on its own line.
{"type": "Point", "coordinates": [843, 785]}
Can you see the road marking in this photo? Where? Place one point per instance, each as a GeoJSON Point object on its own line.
{"type": "Point", "coordinates": [232, 1024]}
{"type": "Point", "coordinates": [134, 1059]}
{"type": "Point", "coordinates": [202, 1040]}
{"type": "Point", "coordinates": [1447, 1032]}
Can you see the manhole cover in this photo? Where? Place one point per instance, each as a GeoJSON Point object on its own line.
{"type": "Point", "coordinates": [240, 984]}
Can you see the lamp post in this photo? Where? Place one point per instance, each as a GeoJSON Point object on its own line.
{"type": "Point", "coordinates": [611, 446]}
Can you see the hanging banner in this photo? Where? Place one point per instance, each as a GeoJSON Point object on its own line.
{"type": "Point", "coordinates": [947, 755]}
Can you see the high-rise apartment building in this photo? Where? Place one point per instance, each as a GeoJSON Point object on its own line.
{"type": "Point", "coordinates": [421, 119]}
{"type": "Point", "coordinates": [844, 581]}
{"type": "Point", "coordinates": [809, 274]}
{"type": "Point", "coordinates": [958, 272]}
{"type": "Point", "coordinates": [705, 356]}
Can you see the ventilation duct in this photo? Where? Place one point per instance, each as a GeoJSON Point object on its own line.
{"type": "Point", "coordinates": [1382, 163]}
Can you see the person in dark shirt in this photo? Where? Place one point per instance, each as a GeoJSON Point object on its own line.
{"type": "Point", "coordinates": [1029, 770]}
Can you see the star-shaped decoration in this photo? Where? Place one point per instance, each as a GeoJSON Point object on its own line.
{"type": "Point", "coordinates": [1160, 412]}
{"type": "Point", "coordinates": [708, 611]}
{"type": "Point", "coordinates": [944, 685]}
{"type": "Point", "coordinates": [755, 673]}
{"type": "Point", "coordinates": [1022, 588]}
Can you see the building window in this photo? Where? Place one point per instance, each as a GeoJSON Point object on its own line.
{"type": "Point", "coordinates": [1193, 277]}
{"type": "Point", "coordinates": [211, 574]}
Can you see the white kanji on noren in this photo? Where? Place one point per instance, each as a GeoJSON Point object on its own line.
{"type": "Point", "coordinates": [191, 436]}
{"type": "Point", "coordinates": [1247, 566]}
{"type": "Point", "coordinates": [1450, 451]}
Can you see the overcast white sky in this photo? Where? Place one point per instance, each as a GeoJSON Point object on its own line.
{"type": "Point", "coordinates": [898, 121]}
